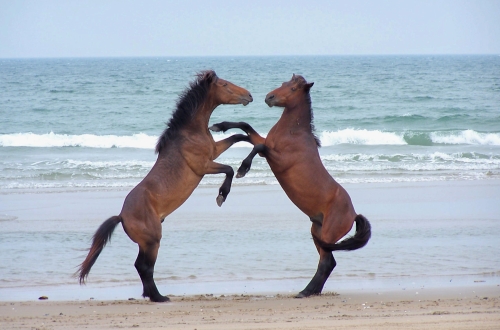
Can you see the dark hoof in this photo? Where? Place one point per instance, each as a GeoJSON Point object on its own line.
{"type": "Point", "coordinates": [242, 171]}
{"type": "Point", "coordinates": [159, 298]}
{"type": "Point", "coordinates": [220, 199]}
{"type": "Point", "coordinates": [304, 294]}
{"type": "Point", "coordinates": [301, 295]}
{"type": "Point", "coordinates": [215, 128]}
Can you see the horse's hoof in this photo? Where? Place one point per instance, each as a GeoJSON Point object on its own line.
{"type": "Point", "coordinates": [215, 128]}
{"type": "Point", "coordinates": [159, 298]}
{"type": "Point", "coordinates": [220, 199]}
{"type": "Point", "coordinates": [304, 294]}
{"type": "Point", "coordinates": [242, 172]}
{"type": "Point", "coordinates": [301, 295]}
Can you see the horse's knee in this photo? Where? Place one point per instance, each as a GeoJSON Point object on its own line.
{"type": "Point", "coordinates": [229, 173]}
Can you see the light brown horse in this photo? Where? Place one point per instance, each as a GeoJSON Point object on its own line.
{"type": "Point", "coordinates": [186, 152]}
{"type": "Point", "coordinates": [291, 149]}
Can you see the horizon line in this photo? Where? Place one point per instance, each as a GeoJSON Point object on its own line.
{"type": "Point", "coordinates": [242, 56]}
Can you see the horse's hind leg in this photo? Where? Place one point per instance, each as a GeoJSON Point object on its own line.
{"type": "Point", "coordinates": [145, 265]}
{"type": "Point", "coordinates": [325, 267]}
{"type": "Point", "coordinates": [146, 232]}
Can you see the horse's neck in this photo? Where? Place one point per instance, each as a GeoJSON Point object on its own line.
{"type": "Point", "coordinates": [296, 118]}
{"type": "Point", "coordinates": [202, 116]}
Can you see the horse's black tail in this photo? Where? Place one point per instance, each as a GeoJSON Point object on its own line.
{"type": "Point", "coordinates": [360, 238]}
{"type": "Point", "coordinates": [101, 237]}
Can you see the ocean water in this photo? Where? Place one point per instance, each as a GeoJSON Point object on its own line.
{"type": "Point", "coordinates": [88, 127]}
{"type": "Point", "coordinates": [93, 123]}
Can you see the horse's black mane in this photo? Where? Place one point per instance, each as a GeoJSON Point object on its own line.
{"type": "Point", "coordinates": [188, 103]}
{"type": "Point", "coordinates": [309, 103]}
{"type": "Point", "coordinates": [313, 129]}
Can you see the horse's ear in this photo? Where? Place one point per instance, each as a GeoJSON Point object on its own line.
{"type": "Point", "coordinates": [212, 76]}
{"type": "Point", "coordinates": [308, 86]}
{"type": "Point", "coordinates": [207, 76]}
{"type": "Point", "coordinates": [293, 77]}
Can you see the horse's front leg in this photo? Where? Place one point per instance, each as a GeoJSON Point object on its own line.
{"type": "Point", "coordinates": [247, 162]}
{"type": "Point", "coordinates": [223, 145]}
{"type": "Point", "coordinates": [255, 137]}
{"type": "Point", "coordinates": [216, 168]}
{"type": "Point", "coordinates": [227, 125]}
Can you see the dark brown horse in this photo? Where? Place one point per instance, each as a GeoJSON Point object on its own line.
{"type": "Point", "coordinates": [291, 149]}
{"type": "Point", "coordinates": [186, 152]}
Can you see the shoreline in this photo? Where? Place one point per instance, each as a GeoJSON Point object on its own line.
{"type": "Point", "coordinates": [465, 201]}
{"type": "Point", "coordinates": [261, 185]}
{"type": "Point", "coordinates": [467, 308]}
{"type": "Point", "coordinates": [287, 286]}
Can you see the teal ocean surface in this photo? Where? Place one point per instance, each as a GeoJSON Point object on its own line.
{"type": "Point", "coordinates": [93, 123]}
{"type": "Point", "coordinates": [414, 139]}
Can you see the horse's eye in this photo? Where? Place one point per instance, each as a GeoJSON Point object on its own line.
{"type": "Point", "coordinates": [224, 85]}
{"type": "Point", "coordinates": [294, 89]}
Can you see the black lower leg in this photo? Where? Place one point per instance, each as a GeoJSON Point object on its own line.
{"type": "Point", "coordinates": [226, 185]}
{"type": "Point", "coordinates": [226, 125]}
{"type": "Point", "coordinates": [247, 162]}
{"type": "Point", "coordinates": [325, 268]}
{"type": "Point", "coordinates": [238, 138]}
{"type": "Point", "coordinates": [145, 268]}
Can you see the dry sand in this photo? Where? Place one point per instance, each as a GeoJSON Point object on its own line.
{"type": "Point", "coordinates": [459, 308]}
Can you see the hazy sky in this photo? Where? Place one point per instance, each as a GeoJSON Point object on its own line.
{"type": "Point", "coordinates": [70, 28]}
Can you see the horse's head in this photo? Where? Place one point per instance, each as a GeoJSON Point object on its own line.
{"type": "Point", "coordinates": [290, 91]}
{"type": "Point", "coordinates": [225, 92]}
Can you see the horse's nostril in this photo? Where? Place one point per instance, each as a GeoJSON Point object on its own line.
{"type": "Point", "coordinates": [271, 97]}
{"type": "Point", "coordinates": [249, 94]}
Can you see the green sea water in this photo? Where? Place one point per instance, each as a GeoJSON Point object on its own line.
{"type": "Point", "coordinates": [93, 123]}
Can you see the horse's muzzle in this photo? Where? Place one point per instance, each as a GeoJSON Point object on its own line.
{"type": "Point", "coordinates": [270, 100]}
{"type": "Point", "coordinates": [246, 99]}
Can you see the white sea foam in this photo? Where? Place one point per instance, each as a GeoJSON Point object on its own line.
{"type": "Point", "coordinates": [140, 140]}
{"type": "Point", "coordinates": [466, 137]}
{"type": "Point", "coordinates": [361, 136]}
{"type": "Point", "coordinates": [328, 138]}
{"type": "Point", "coordinates": [128, 164]}
{"type": "Point", "coordinates": [457, 157]}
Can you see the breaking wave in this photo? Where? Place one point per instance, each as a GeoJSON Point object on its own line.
{"type": "Point", "coordinates": [328, 138]}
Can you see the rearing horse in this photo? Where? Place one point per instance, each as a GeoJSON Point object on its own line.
{"type": "Point", "coordinates": [186, 152]}
{"type": "Point", "coordinates": [291, 149]}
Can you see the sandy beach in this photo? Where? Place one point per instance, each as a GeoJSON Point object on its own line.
{"type": "Point", "coordinates": [465, 308]}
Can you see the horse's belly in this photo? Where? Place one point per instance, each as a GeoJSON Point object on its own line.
{"type": "Point", "coordinates": [305, 194]}
{"type": "Point", "coordinates": [158, 197]}
{"type": "Point", "coordinates": [174, 198]}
